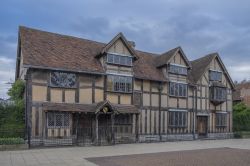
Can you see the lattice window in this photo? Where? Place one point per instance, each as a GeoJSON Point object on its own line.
{"type": "Point", "coordinates": [221, 119]}
{"type": "Point", "coordinates": [119, 83]}
{"type": "Point", "coordinates": [62, 79]}
{"type": "Point", "coordinates": [66, 119]}
{"type": "Point", "coordinates": [177, 119]}
{"type": "Point", "coordinates": [58, 119]}
{"type": "Point", "coordinates": [50, 119]}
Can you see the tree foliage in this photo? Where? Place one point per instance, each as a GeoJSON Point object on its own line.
{"type": "Point", "coordinates": [241, 117]}
{"type": "Point", "coordinates": [12, 114]}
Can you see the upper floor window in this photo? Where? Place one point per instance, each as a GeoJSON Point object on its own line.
{"type": "Point", "coordinates": [177, 89]}
{"type": "Point", "coordinates": [62, 79]}
{"type": "Point", "coordinates": [119, 83]}
{"type": "Point", "coordinates": [218, 94]}
{"type": "Point", "coordinates": [177, 69]}
{"type": "Point", "coordinates": [119, 59]}
{"type": "Point", "coordinates": [215, 75]}
{"type": "Point", "coordinates": [177, 118]}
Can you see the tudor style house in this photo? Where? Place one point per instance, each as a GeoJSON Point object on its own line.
{"type": "Point", "coordinates": [80, 91]}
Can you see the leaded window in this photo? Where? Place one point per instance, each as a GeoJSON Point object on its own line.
{"type": "Point", "coordinates": [177, 119]}
{"type": "Point", "coordinates": [218, 93]}
{"type": "Point", "coordinates": [221, 119]}
{"type": "Point", "coordinates": [119, 83]}
{"type": "Point", "coordinates": [58, 119]}
{"type": "Point", "coordinates": [177, 69]}
{"type": "Point", "coordinates": [177, 89]}
{"type": "Point", "coordinates": [215, 75]}
{"type": "Point", "coordinates": [62, 79]}
{"type": "Point", "coordinates": [119, 59]}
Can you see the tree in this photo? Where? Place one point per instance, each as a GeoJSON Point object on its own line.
{"type": "Point", "coordinates": [241, 117]}
{"type": "Point", "coordinates": [12, 115]}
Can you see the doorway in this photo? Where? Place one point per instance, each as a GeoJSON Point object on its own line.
{"type": "Point", "coordinates": [202, 126]}
{"type": "Point", "coordinates": [105, 129]}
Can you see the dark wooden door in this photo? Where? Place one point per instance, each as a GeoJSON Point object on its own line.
{"type": "Point", "coordinates": [104, 129]}
{"type": "Point", "coordinates": [202, 126]}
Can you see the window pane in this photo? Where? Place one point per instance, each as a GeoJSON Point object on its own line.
{"type": "Point", "coordinates": [66, 119]}
{"type": "Point", "coordinates": [129, 61]}
{"type": "Point", "coordinates": [123, 60]}
{"type": "Point", "coordinates": [110, 58]}
{"type": "Point", "coordinates": [51, 119]}
{"type": "Point", "coordinates": [116, 59]}
{"type": "Point", "coordinates": [59, 119]}
{"type": "Point", "coordinates": [180, 90]}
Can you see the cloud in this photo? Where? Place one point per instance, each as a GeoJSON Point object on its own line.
{"type": "Point", "coordinates": [200, 27]}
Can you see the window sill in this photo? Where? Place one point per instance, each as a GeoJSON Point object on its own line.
{"type": "Point", "coordinates": [177, 126]}
{"type": "Point", "coordinates": [116, 64]}
{"type": "Point", "coordinates": [177, 73]}
{"type": "Point", "coordinates": [178, 96]}
{"type": "Point", "coordinates": [119, 92]}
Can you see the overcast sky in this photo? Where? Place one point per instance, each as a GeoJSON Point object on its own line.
{"type": "Point", "coordinates": [198, 26]}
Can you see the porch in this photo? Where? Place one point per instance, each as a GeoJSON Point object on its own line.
{"type": "Point", "coordinates": [96, 124]}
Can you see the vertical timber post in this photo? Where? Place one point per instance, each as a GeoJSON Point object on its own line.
{"type": "Point", "coordinates": [96, 130]}
{"type": "Point", "coordinates": [112, 129]}
{"type": "Point", "coordinates": [136, 128]}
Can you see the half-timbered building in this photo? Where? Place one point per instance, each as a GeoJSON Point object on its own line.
{"type": "Point", "coordinates": [80, 91]}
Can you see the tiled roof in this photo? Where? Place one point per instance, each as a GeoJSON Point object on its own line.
{"type": "Point", "coordinates": [165, 57]}
{"type": "Point", "coordinates": [42, 49]}
{"type": "Point", "coordinates": [92, 108]}
{"type": "Point", "coordinates": [199, 66]}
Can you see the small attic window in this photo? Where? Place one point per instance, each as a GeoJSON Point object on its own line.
{"type": "Point", "coordinates": [178, 69]}
{"type": "Point", "coordinates": [215, 75]}
{"type": "Point", "coordinates": [119, 59]}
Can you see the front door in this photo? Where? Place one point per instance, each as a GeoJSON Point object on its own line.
{"type": "Point", "coordinates": [202, 126]}
{"type": "Point", "coordinates": [104, 129]}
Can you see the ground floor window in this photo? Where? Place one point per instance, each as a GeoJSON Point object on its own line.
{"type": "Point", "coordinates": [58, 119]}
{"type": "Point", "coordinates": [221, 119]}
{"type": "Point", "coordinates": [123, 123]}
{"type": "Point", "coordinates": [177, 118]}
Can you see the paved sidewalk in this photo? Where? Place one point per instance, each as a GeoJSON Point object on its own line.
{"type": "Point", "coordinates": [75, 156]}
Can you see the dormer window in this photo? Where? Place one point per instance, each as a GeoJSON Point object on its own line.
{"type": "Point", "coordinates": [119, 59]}
{"type": "Point", "coordinates": [178, 69]}
{"type": "Point", "coordinates": [215, 75]}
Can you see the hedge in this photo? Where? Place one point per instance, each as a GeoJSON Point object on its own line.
{"type": "Point", "coordinates": [11, 141]}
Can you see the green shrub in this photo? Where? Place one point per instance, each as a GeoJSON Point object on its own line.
{"type": "Point", "coordinates": [237, 135]}
{"type": "Point", "coordinates": [11, 141]}
{"type": "Point", "coordinates": [241, 117]}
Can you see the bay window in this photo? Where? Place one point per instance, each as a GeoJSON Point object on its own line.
{"type": "Point", "coordinates": [218, 94]}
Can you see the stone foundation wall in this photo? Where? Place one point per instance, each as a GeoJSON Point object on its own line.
{"type": "Point", "coordinates": [220, 135]}
{"type": "Point", "coordinates": [168, 137]}
{"type": "Point", "coordinates": [178, 137]}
